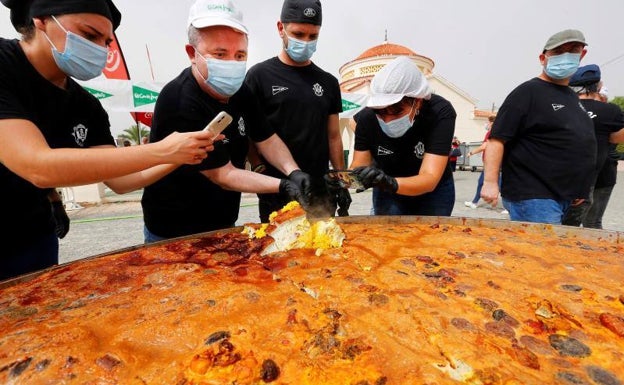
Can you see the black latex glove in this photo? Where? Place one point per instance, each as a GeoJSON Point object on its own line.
{"type": "Point", "coordinates": [375, 177]}
{"type": "Point", "coordinates": [291, 190]}
{"type": "Point", "coordinates": [343, 199]}
{"type": "Point", "coordinates": [61, 219]}
{"type": "Point", "coordinates": [339, 194]}
{"type": "Point", "coordinates": [303, 181]}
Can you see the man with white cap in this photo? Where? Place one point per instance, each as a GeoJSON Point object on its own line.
{"type": "Point", "coordinates": [301, 101]}
{"type": "Point", "coordinates": [543, 139]}
{"type": "Point", "coordinates": [608, 121]}
{"type": "Point", "coordinates": [207, 197]}
{"type": "Point", "coordinates": [402, 142]}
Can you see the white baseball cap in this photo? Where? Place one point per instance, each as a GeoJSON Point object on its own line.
{"type": "Point", "coordinates": [397, 79]}
{"type": "Point", "coordinates": [208, 13]}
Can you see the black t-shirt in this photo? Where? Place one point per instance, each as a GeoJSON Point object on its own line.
{"type": "Point", "coordinates": [67, 118]}
{"type": "Point", "coordinates": [298, 102]}
{"type": "Point", "coordinates": [186, 201]}
{"type": "Point", "coordinates": [550, 146]}
{"type": "Point", "coordinates": [607, 119]}
{"type": "Point", "coordinates": [431, 133]}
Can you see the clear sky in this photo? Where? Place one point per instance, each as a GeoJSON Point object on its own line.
{"type": "Point", "coordinates": [485, 47]}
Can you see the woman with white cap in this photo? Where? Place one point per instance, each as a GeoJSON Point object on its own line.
{"type": "Point", "coordinates": [402, 142]}
{"type": "Point", "coordinates": [53, 133]}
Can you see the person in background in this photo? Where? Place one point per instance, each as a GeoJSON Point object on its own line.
{"type": "Point", "coordinates": [301, 101]}
{"type": "Point", "coordinates": [402, 141]}
{"type": "Point", "coordinates": [454, 154]}
{"type": "Point", "coordinates": [205, 197]}
{"type": "Point", "coordinates": [53, 133]}
{"type": "Point", "coordinates": [609, 129]}
{"type": "Point", "coordinates": [473, 204]}
{"type": "Point", "coordinates": [543, 139]}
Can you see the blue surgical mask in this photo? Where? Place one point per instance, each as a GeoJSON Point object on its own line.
{"type": "Point", "coordinates": [82, 59]}
{"type": "Point", "coordinates": [224, 76]}
{"type": "Point", "coordinates": [299, 50]}
{"type": "Point", "coordinates": [399, 126]}
{"type": "Point", "coordinates": [562, 66]}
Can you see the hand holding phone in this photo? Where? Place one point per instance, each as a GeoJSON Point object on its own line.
{"type": "Point", "coordinates": [218, 124]}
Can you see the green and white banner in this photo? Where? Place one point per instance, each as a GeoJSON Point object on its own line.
{"type": "Point", "coordinates": [124, 95]}
{"type": "Point", "coordinates": [352, 104]}
{"type": "Point", "coordinates": [131, 96]}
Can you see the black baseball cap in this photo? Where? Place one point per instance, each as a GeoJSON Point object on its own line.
{"type": "Point", "coordinates": [302, 11]}
{"type": "Point", "coordinates": [23, 11]}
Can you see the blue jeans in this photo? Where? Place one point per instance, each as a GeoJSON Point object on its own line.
{"type": "Point", "coordinates": [537, 210]}
{"type": "Point", "coordinates": [38, 254]}
{"type": "Point", "coordinates": [439, 202]}
{"type": "Point", "coordinates": [150, 237]}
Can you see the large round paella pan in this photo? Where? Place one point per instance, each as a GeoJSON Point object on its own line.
{"type": "Point", "coordinates": [405, 300]}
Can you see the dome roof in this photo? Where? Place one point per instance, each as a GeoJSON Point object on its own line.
{"type": "Point", "coordinates": [386, 49]}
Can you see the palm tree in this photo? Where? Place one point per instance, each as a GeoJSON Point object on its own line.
{"type": "Point", "coordinates": [135, 133]}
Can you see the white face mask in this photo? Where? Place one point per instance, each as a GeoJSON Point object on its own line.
{"type": "Point", "coordinates": [397, 127]}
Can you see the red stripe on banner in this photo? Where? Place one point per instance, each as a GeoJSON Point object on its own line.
{"type": "Point", "coordinates": [116, 68]}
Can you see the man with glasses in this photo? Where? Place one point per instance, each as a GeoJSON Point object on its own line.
{"type": "Point", "coordinates": [206, 197]}
{"type": "Point", "coordinates": [301, 101]}
{"type": "Point", "coordinates": [544, 140]}
{"type": "Point", "coordinates": [402, 142]}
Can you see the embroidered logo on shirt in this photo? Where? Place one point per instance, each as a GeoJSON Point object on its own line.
{"type": "Point", "coordinates": [383, 151]}
{"type": "Point", "coordinates": [419, 150]}
{"type": "Point", "coordinates": [241, 126]}
{"type": "Point", "coordinates": [592, 115]}
{"type": "Point", "coordinates": [557, 107]}
{"type": "Point", "coordinates": [80, 134]}
{"type": "Point", "coordinates": [318, 90]}
{"type": "Point", "coordinates": [278, 89]}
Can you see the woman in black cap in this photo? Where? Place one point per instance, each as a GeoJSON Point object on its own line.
{"type": "Point", "coordinates": [47, 121]}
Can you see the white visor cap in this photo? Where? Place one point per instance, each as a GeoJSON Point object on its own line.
{"type": "Point", "coordinates": [397, 79]}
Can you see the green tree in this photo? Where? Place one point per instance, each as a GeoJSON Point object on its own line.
{"type": "Point", "coordinates": [618, 101]}
{"type": "Point", "coordinates": [135, 133]}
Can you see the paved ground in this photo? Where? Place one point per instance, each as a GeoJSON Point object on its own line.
{"type": "Point", "coordinates": [119, 222]}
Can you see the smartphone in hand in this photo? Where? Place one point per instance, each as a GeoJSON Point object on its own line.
{"type": "Point", "coordinates": [346, 179]}
{"type": "Point", "coordinates": [218, 124]}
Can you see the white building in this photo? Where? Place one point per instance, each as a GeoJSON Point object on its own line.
{"type": "Point", "coordinates": [356, 75]}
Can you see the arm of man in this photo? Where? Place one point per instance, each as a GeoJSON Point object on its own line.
{"type": "Point", "coordinates": [232, 178]}
{"type": "Point", "coordinates": [25, 151]}
{"type": "Point", "coordinates": [274, 150]}
{"type": "Point", "coordinates": [361, 158]}
{"type": "Point", "coordinates": [617, 137]}
{"type": "Point", "coordinates": [336, 150]}
{"type": "Point", "coordinates": [491, 170]}
{"type": "Point", "coordinates": [428, 176]}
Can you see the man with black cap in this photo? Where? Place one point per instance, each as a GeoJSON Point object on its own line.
{"type": "Point", "coordinates": [301, 100]}
{"type": "Point", "coordinates": [609, 128]}
{"type": "Point", "coordinates": [47, 121]}
{"type": "Point", "coordinates": [543, 139]}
